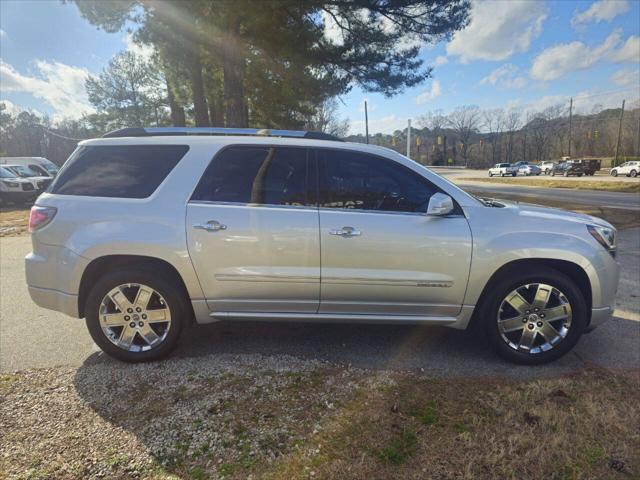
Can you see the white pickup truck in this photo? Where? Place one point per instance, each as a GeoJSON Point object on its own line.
{"type": "Point", "coordinates": [503, 169]}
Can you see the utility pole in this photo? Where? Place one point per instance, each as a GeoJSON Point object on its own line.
{"type": "Point", "coordinates": [409, 138]}
{"type": "Point", "coordinates": [366, 121]}
{"type": "Point", "coordinates": [570, 122]}
{"type": "Point", "coordinates": [615, 161]}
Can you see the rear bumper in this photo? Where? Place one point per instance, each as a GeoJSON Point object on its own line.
{"type": "Point", "coordinates": [53, 277]}
{"type": "Point", "coordinates": [55, 300]}
{"type": "Point", "coordinates": [599, 316]}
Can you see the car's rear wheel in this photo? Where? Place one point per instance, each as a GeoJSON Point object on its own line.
{"type": "Point", "coordinates": [136, 315]}
{"type": "Point", "coordinates": [536, 317]}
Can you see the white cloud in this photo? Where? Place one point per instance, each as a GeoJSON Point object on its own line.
{"type": "Point", "coordinates": [387, 124]}
{"type": "Point", "coordinates": [59, 85]}
{"type": "Point", "coordinates": [11, 107]}
{"type": "Point", "coordinates": [627, 77]}
{"type": "Point", "coordinates": [498, 29]}
{"type": "Point", "coordinates": [505, 76]}
{"type": "Point", "coordinates": [559, 60]}
{"type": "Point", "coordinates": [428, 95]}
{"type": "Point", "coordinates": [370, 106]}
{"type": "Point", "coordinates": [3, 34]}
{"type": "Point", "coordinates": [629, 52]}
{"type": "Point", "coordinates": [144, 50]}
{"type": "Point", "coordinates": [332, 32]}
{"type": "Point", "coordinates": [602, 10]}
{"type": "Point", "coordinates": [441, 60]}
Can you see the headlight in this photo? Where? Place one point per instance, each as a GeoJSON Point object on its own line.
{"type": "Point", "coordinates": [605, 236]}
{"type": "Point", "coordinates": [9, 183]}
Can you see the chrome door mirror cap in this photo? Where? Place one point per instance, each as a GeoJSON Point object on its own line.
{"type": "Point", "coordinates": [440, 204]}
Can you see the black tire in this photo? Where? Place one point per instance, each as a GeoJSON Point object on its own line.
{"type": "Point", "coordinates": [512, 280]}
{"type": "Point", "coordinates": [614, 173]}
{"type": "Point", "coordinates": [566, 174]}
{"type": "Point", "coordinates": [171, 291]}
{"type": "Point", "coordinates": [553, 174]}
{"type": "Point", "coordinates": [513, 174]}
{"type": "Point", "coordinates": [579, 175]}
{"type": "Point", "coordinates": [633, 173]}
{"type": "Point", "coordinates": [490, 174]}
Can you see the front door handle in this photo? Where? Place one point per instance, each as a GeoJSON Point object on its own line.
{"type": "Point", "coordinates": [210, 226]}
{"type": "Point", "coordinates": [346, 232]}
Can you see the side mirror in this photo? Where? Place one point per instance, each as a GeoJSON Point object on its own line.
{"type": "Point", "coordinates": [440, 204]}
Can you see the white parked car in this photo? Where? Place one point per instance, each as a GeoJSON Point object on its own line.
{"type": "Point", "coordinates": [503, 169]}
{"type": "Point", "coordinates": [15, 189]}
{"type": "Point", "coordinates": [242, 224]}
{"type": "Point", "coordinates": [40, 165]}
{"type": "Point", "coordinates": [630, 169]}
{"type": "Point", "coordinates": [40, 182]}
{"type": "Point", "coordinates": [547, 167]}
{"type": "Point", "coordinates": [528, 170]}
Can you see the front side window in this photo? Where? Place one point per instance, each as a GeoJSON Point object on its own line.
{"type": "Point", "coordinates": [354, 180]}
{"type": "Point", "coordinates": [39, 170]}
{"type": "Point", "coordinates": [257, 175]}
{"type": "Point", "coordinates": [123, 171]}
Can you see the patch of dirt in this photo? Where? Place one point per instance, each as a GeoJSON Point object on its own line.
{"type": "Point", "coordinates": [14, 221]}
{"type": "Point", "coordinates": [278, 417]}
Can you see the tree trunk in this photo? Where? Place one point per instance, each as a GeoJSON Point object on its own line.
{"type": "Point", "coordinates": [200, 109]}
{"type": "Point", "coordinates": [216, 112]}
{"type": "Point", "coordinates": [233, 73]}
{"type": "Point", "coordinates": [177, 111]}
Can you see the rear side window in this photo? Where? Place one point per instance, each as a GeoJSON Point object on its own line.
{"type": "Point", "coordinates": [124, 171]}
{"type": "Point", "coordinates": [257, 175]}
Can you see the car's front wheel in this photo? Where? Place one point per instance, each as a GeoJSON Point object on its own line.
{"type": "Point", "coordinates": [614, 173]}
{"type": "Point", "coordinates": [136, 315]}
{"type": "Point", "coordinates": [536, 317]}
{"type": "Point", "coordinates": [633, 173]}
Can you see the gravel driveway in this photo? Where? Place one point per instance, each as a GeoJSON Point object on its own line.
{"type": "Point", "coordinates": [34, 337]}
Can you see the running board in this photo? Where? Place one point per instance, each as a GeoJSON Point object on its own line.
{"type": "Point", "coordinates": [333, 318]}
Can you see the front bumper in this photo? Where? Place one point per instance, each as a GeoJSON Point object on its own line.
{"type": "Point", "coordinates": [599, 316]}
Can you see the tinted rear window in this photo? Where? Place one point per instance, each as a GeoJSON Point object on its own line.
{"type": "Point", "coordinates": [125, 171]}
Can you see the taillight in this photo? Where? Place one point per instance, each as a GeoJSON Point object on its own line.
{"type": "Point", "coordinates": [40, 216]}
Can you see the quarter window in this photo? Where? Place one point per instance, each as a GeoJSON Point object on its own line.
{"type": "Point", "coordinates": [124, 171]}
{"type": "Point", "coordinates": [355, 180]}
{"type": "Point", "coordinates": [257, 175]}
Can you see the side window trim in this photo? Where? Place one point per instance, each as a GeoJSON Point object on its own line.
{"type": "Point", "coordinates": [311, 171]}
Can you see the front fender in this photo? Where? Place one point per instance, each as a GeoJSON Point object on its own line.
{"type": "Point", "coordinates": [493, 253]}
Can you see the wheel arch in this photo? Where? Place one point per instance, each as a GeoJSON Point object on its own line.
{"type": "Point", "coordinates": [108, 263]}
{"type": "Point", "coordinates": [572, 270]}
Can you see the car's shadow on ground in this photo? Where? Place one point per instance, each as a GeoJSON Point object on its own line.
{"type": "Point", "coordinates": [434, 351]}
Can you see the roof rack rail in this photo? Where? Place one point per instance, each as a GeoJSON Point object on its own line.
{"type": "Point", "coordinates": [258, 132]}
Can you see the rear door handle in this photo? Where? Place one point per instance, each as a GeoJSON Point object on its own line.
{"type": "Point", "coordinates": [346, 232]}
{"type": "Point", "coordinates": [210, 226]}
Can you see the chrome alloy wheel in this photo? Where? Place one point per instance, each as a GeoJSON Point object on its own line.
{"type": "Point", "coordinates": [135, 317]}
{"type": "Point", "coordinates": [534, 318]}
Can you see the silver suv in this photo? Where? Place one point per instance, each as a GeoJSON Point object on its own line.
{"type": "Point", "coordinates": [148, 229]}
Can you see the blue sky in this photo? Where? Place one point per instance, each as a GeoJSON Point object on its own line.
{"type": "Point", "coordinates": [515, 54]}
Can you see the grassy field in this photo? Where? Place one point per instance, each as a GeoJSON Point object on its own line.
{"type": "Point", "coordinates": [316, 423]}
{"type": "Point", "coordinates": [609, 186]}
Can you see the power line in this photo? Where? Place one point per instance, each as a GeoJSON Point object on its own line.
{"type": "Point", "coordinates": [50, 132]}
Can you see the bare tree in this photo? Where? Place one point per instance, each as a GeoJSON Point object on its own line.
{"type": "Point", "coordinates": [326, 119]}
{"type": "Point", "coordinates": [464, 121]}
{"type": "Point", "coordinates": [493, 121]}
{"type": "Point", "coordinates": [512, 123]}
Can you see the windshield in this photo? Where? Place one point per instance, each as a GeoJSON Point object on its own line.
{"type": "Point", "coordinates": [6, 173]}
{"type": "Point", "coordinates": [23, 171]}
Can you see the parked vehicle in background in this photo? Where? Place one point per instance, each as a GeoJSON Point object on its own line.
{"type": "Point", "coordinates": [546, 167]}
{"type": "Point", "coordinates": [503, 169]}
{"type": "Point", "coordinates": [529, 170]}
{"type": "Point", "coordinates": [590, 165]}
{"type": "Point", "coordinates": [630, 169]}
{"type": "Point", "coordinates": [567, 169]}
{"type": "Point", "coordinates": [39, 182]}
{"type": "Point", "coordinates": [14, 189]}
{"type": "Point", "coordinates": [228, 226]}
{"type": "Point", "coordinates": [40, 165]}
